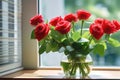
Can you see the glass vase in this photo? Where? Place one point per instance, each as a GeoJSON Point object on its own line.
{"type": "Point", "coordinates": [77, 68]}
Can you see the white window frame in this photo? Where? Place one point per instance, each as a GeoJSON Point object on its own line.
{"type": "Point", "coordinates": [30, 55]}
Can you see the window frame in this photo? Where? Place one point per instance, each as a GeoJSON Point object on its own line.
{"type": "Point", "coordinates": [30, 56]}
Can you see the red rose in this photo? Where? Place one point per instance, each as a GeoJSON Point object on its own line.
{"type": "Point", "coordinates": [99, 21]}
{"type": "Point", "coordinates": [41, 31]}
{"type": "Point", "coordinates": [36, 20]}
{"type": "Point", "coordinates": [63, 27]}
{"type": "Point", "coordinates": [117, 24]}
{"type": "Point", "coordinates": [55, 20]}
{"type": "Point", "coordinates": [70, 17]}
{"type": "Point", "coordinates": [108, 27]}
{"type": "Point", "coordinates": [83, 15]}
{"type": "Point", "coordinates": [96, 30]}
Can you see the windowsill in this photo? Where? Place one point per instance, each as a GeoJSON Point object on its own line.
{"type": "Point", "coordinates": [96, 73]}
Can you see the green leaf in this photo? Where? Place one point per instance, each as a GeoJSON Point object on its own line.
{"type": "Point", "coordinates": [65, 42]}
{"type": "Point", "coordinates": [77, 46]}
{"type": "Point", "coordinates": [114, 42]}
{"type": "Point", "coordinates": [48, 47]}
{"type": "Point", "coordinates": [33, 35]}
{"type": "Point", "coordinates": [56, 35]}
{"type": "Point", "coordinates": [104, 44]}
{"type": "Point", "coordinates": [76, 36]}
{"type": "Point", "coordinates": [56, 48]}
{"type": "Point", "coordinates": [52, 46]}
{"type": "Point", "coordinates": [81, 47]}
{"type": "Point", "coordinates": [86, 34]}
{"type": "Point", "coordinates": [42, 48]}
{"type": "Point", "coordinates": [41, 42]}
{"type": "Point", "coordinates": [99, 49]}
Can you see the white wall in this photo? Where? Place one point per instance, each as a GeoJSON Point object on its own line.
{"type": "Point", "coordinates": [30, 56]}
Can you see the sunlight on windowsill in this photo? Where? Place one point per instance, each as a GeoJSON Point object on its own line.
{"type": "Point", "coordinates": [97, 73]}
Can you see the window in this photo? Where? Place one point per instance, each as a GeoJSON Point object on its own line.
{"type": "Point", "coordinates": [10, 35]}
{"type": "Point", "coordinates": [100, 8]}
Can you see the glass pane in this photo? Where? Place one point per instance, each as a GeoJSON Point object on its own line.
{"type": "Point", "coordinates": [99, 8]}
{"type": "Point", "coordinates": [10, 38]}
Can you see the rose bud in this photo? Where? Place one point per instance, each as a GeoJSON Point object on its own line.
{"type": "Point", "coordinates": [83, 15]}
{"type": "Point", "coordinates": [55, 20]}
{"type": "Point", "coordinates": [70, 17]}
{"type": "Point", "coordinates": [36, 20]}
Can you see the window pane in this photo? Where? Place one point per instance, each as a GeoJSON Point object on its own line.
{"type": "Point", "coordinates": [99, 8]}
{"type": "Point", "coordinates": [10, 38]}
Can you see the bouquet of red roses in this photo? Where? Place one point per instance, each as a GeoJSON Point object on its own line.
{"type": "Point", "coordinates": [63, 32]}
{"type": "Point", "coordinates": [67, 34]}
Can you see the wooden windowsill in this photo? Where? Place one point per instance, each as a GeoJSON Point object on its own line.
{"type": "Point", "coordinates": [58, 74]}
